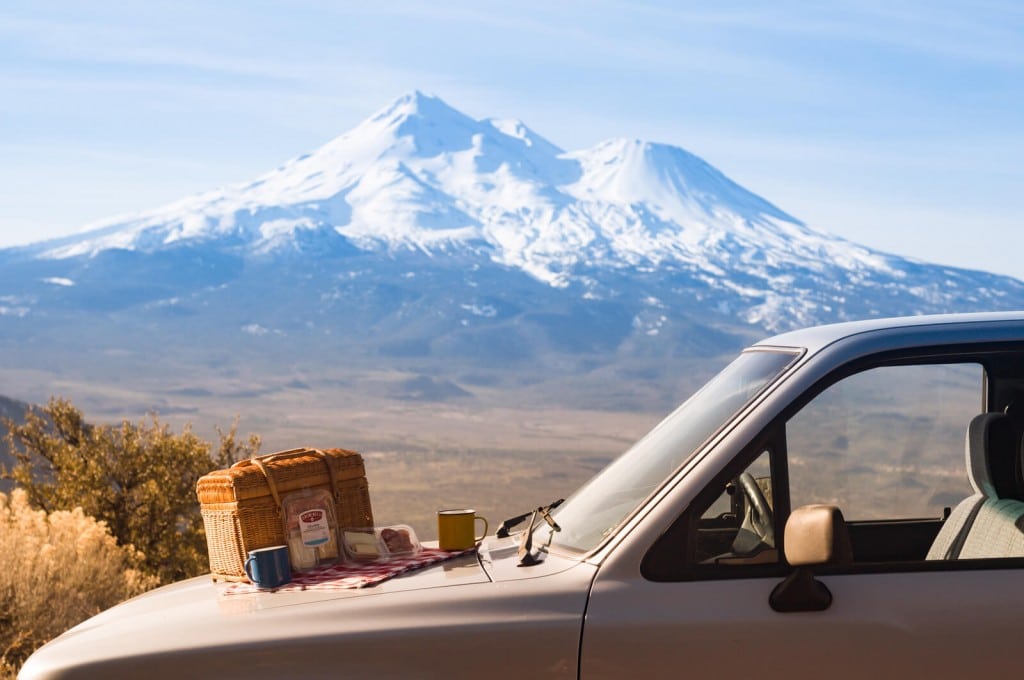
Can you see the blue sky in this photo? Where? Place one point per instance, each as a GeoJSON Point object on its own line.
{"type": "Point", "coordinates": [899, 125]}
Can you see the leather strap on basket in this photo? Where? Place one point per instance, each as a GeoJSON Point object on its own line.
{"type": "Point", "coordinates": [261, 463]}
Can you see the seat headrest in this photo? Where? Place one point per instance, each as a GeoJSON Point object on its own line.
{"type": "Point", "coordinates": [994, 456]}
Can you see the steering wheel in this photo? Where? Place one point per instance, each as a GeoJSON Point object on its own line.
{"type": "Point", "coordinates": [758, 527]}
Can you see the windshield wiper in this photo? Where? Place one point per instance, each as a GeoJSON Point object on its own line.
{"type": "Point", "coordinates": [503, 530]}
{"type": "Point", "coordinates": [527, 558]}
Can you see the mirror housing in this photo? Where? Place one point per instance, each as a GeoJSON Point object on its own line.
{"type": "Point", "coordinates": [817, 535]}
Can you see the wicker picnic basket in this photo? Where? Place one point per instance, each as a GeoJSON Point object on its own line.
{"type": "Point", "coordinates": [241, 506]}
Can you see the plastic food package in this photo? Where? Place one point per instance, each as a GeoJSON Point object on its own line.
{"type": "Point", "coordinates": [366, 544]}
{"type": "Point", "coordinates": [310, 528]}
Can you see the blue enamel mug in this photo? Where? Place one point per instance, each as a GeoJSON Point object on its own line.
{"type": "Point", "coordinates": [269, 567]}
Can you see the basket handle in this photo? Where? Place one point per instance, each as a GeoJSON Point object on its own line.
{"type": "Point", "coordinates": [267, 457]}
{"type": "Point", "coordinates": [261, 461]}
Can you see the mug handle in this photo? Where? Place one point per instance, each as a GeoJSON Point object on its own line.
{"type": "Point", "coordinates": [484, 520]}
{"type": "Point", "coordinates": [245, 567]}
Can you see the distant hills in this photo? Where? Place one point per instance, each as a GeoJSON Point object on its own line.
{"type": "Point", "coordinates": [426, 255]}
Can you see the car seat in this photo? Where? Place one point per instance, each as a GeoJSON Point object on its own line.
{"type": "Point", "coordinates": [989, 523]}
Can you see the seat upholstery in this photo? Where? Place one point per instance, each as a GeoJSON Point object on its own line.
{"type": "Point", "coordinates": [989, 523]}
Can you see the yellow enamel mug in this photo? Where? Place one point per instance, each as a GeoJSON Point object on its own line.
{"type": "Point", "coordinates": [455, 529]}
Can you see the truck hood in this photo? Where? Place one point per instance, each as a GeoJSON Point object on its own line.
{"type": "Point", "coordinates": [196, 627]}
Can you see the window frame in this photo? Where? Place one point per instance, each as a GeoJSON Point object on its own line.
{"type": "Point", "coordinates": [670, 557]}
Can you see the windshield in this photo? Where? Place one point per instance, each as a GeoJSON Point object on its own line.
{"type": "Point", "coordinates": [604, 502]}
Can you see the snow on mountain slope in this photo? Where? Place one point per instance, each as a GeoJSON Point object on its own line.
{"type": "Point", "coordinates": [420, 176]}
{"type": "Point", "coordinates": [419, 172]}
{"type": "Point", "coordinates": [399, 178]}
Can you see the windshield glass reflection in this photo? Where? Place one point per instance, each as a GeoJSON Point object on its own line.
{"type": "Point", "coordinates": [604, 502]}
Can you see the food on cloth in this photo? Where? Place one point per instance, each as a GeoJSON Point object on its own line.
{"type": "Point", "coordinates": [380, 543]}
{"type": "Point", "coordinates": [362, 545]}
{"type": "Point", "coordinates": [397, 540]}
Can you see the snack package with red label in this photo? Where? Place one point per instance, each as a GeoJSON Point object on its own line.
{"type": "Point", "coordinates": [310, 528]}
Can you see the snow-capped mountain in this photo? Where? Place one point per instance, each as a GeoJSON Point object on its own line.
{"type": "Point", "coordinates": [420, 175]}
{"type": "Point", "coordinates": [422, 233]}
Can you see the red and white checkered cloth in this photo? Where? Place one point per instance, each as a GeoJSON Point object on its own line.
{"type": "Point", "coordinates": [345, 575]}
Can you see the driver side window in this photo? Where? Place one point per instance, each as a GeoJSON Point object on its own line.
{"type": "Point", "coordinates": [739, 527]}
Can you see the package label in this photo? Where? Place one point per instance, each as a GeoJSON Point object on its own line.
{"type": "Point", "coordinates": [314, 527]}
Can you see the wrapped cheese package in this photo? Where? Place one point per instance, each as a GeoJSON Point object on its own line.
{"type": "Point", "coordinates": [310, 528]}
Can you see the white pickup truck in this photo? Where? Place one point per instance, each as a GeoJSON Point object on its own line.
{"type": "Point", "coordinates": [812, 512]}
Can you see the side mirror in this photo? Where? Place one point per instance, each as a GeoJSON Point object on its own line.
{"type": "Point", "coordinates": [816, 535]}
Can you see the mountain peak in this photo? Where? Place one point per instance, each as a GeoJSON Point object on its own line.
{"type": "Point", "coordinates": [428, 122]}
{"type": "Point", "coordinates": [684, 185]}
{"type": "Point", "coordinates": [415, 104]}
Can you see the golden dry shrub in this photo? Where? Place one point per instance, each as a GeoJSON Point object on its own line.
{"type": "Point", "coordinates": [56, 570]}
{"type": "Point", "coordinates": [138, 478]}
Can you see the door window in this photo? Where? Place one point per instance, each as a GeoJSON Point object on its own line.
{"type": "Point", "coordinates": [887, 443]}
